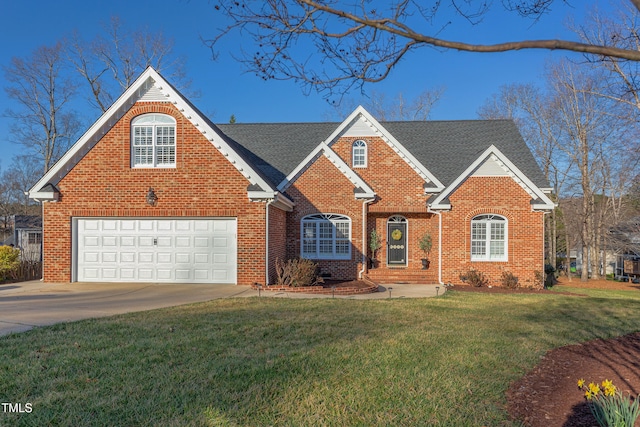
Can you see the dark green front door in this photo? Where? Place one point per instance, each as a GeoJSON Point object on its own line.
{"type": "Point", "coordinates": [397, 241]}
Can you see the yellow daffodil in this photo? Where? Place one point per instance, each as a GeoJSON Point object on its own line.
{"type": "Point", "coordinates": [580, 383]}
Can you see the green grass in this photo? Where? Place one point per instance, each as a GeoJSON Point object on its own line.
{"type": "Point", "coordinates": [444, 361]}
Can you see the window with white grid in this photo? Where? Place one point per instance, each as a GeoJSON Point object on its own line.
{"type": "Point", "coordinates": [153, 141]}
{"type": "Point", "coordinates": [359, 154]}
{"type": "Point", "coordinates": [326, 236]}
{"type": "Point", "coordinates": [489, 238]}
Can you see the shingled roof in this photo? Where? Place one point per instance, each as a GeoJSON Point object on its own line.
{"type": "Point", "coordinates": [445, 148]}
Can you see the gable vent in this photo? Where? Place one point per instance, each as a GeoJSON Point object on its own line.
{"type": "Point", "coordinates": [153, 94]}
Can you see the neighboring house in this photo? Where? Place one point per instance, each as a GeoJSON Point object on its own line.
{"type": "Point", "coordinates": [155, 192]}
{"type": "Point", "coordinates": [26, 236]}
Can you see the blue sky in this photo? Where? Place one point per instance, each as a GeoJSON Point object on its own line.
{"type": "Point", "coordinates": [225, 89]}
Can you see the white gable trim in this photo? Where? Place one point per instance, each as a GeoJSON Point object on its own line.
{"type": "Point", "coordinates": [396, 146]}
{"type": "Point", "coordinates": [324, 150]}
{"type": "Point", "coordinates": [148, 81]}
{"type": "Point", "coordinates": [541, 201]}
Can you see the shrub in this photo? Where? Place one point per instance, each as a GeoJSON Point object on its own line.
{"type": "Point", "coordinates": [475, 278]}
{"type": "Point", "coordinates": [297, 272]}
{"type": "Point", "coordinates": [9, 262]}
{"type": "Point", "coordinates": [509, 280]}
{"type": "Point", "coordinates": [538, 281]}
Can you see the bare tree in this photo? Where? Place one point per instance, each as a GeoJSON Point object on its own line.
{"type": "Point", "coordinates": [43, 123]}
{"type": "Point", "coordinates": [621, 79]}
{"type": "Point", "coordinates": [109, 64]}
{"type": "Point", "coordinates": [589, 133]}
{"type": "Point", "coordinates": [535, 114]}
{"type": "Point", "coordinates": [417, 108]}
{"type": "Point", "coordinates": [363, 40]}
{"type": "Point", "coordinates": [20, 177]}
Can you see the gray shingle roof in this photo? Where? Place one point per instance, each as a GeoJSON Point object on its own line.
{"type": "Point", "coordinates": [445, 148]}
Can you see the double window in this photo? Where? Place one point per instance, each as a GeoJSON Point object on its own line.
{"type": "Point", "coordinates": [359, 154]}
{"type": "Point", "coordinates": [489, 238]}
{"type": "Point", "coordinates": [153, 141]}
{"type": "Point", "coordinates": [326, 236]}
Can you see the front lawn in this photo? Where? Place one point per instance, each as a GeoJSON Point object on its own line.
{"type": "Point", "coordinates": [443, 361]}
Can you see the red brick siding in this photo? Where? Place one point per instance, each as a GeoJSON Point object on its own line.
{"type": "Point", "coordinates": [322, 188]}
{"type": "Point", "coordinates": [203, 184]}
{"type": "Point", "coordinates": [398, 187]}
{"type": "Point", "coordinates": [277, 239]}
{"type": "Point", "coordinates": [497, 195]}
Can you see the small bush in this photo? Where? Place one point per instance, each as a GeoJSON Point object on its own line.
{"type": "Point", "coordinates": [475, 278]}
{"type": "Point", "coordinates": [297, 272]}
{"type": "Point", "coordinates": [538, 281]}
{"type": "Point", "coordinates": [9, 262]}
{"type": "Point", "coordinates": [509, 280]}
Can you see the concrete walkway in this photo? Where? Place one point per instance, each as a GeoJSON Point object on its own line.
{"type": "Point", "coordinates": [26, 305]}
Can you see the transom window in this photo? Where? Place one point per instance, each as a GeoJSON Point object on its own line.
{"type": "Point", "coordinates": [326, 236]}
{"type": "Point", "coordinates": [359, 154]}
{"type": "Point", "coordinates": [489, 238]}
{"type": "Point", "coordinates": [153, 141]}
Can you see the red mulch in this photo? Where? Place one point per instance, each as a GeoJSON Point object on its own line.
{"type": "Point", "coordinates": [548, 396]}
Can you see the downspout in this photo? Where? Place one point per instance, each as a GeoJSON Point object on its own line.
{"type": "Point", "coordinates": [439, 243]}
{"type": "Point", "coordinates": [364, 236]}
{"type": "Point", "coordinates": [439, 247]}
{"type": "Point", "coordinates": [544, 233]}
{"type": "Point", "coordinates": [266, 249]}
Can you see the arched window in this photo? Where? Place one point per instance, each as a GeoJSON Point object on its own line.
{"type": "Point", "coordinates": [153, 141]}
{"type": "Point", "coordinates": [326, 236]}
{"type": "Point", "coordinates": [359, 154]}
{"type": "Point", "coordinates": [489, 238]}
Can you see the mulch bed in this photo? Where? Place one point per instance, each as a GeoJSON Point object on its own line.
{"type": "Point", "coordinates": [336, 287]}
{"type": "Point", "coordinates": [548, 396]}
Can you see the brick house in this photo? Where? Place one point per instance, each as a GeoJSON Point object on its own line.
{"type": "Point", "coordinates": [155, 192]}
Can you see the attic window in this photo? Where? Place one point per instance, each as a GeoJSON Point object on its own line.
{"type": "Point", "coordinates": [153, 141]}
{"type": "Point", "coordinates": [359, 154]}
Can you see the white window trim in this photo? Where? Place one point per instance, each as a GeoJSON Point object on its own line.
{"type": "Point", "coordinates": [153, 120]}
{"type": "Point", "coordinates": [316, 220]}
{"type": "Point", "coordinates": [487, 220]}
{"type": "Point", "coordinates": [361, 145]}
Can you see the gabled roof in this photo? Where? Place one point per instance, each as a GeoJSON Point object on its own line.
{"type": "Point", "coordinates": [444, 148]}
{"type": "Point", "coordinates": [362, 190]}
{"type": "Point", "coordinates": [539, 199]}
{"type": "Point", "coordinates": [152, 86]}
{"type": "Point", "coordinates": [379, 130]}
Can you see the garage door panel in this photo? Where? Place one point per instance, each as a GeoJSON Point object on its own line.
{"type": "Point", "coordinates": [129, 225]}
{"type": "Point", "coordinates": [127, 257]}
{"type": "Point", "coordinates": [127, 241]}
{"type": "Point", "coordinates": [91, 257]}
{"type": "Point", "coordinates": [92, 241]}
{"type": "Point", "coordinates": [183, 275]}
{"type": "Point", "coordinates": [146, 257]}
{"type": "Point", "coordinates": [156, 250]}
{"type": "Point", "coordinates": [109, 257]}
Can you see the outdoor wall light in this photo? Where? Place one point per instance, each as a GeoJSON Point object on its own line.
{"type": "Point", "coordinates": [152, 199]}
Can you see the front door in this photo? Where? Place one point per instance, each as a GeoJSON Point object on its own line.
{"type": "Point", "coordinates": [397, 241]}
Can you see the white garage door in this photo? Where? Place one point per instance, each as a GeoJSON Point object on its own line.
{"type": "Point", "coordinates": [202, 250]}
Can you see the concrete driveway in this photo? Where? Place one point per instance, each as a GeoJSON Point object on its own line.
{"type": "Point", "coordinates": [26, 305]}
